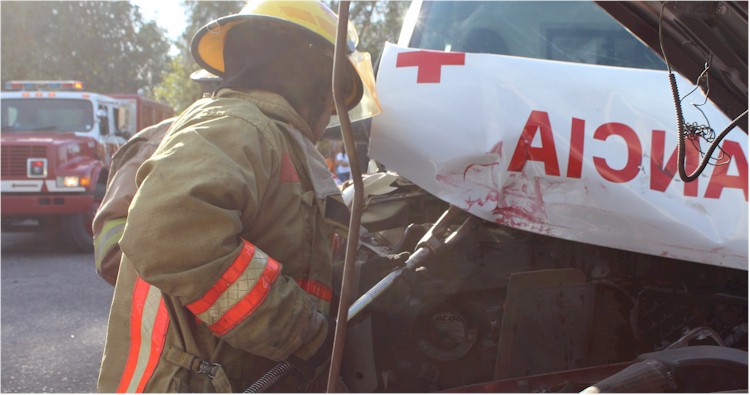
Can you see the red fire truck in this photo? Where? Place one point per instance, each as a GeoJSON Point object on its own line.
{"type": "Point", "coordinates": [57, 145]}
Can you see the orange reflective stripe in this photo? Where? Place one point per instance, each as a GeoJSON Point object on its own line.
{"type": "Point", "coordinates": [315, 288]}
{"type": "Point", "coordinates": [148, 330]}
{"type": "Point", "coordinates": [157, 345]}
{"type": "Point", "coordinates": [228, 278]}
{"type": "Point", "coordinates": [243, 286]}
{"type": "Point", "coordinates": [248, 304]}
{"type": "Point", "coordinates": [139, 298]}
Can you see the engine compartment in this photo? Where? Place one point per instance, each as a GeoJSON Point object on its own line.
{"type": "Point", "coordinates": [505, 310]}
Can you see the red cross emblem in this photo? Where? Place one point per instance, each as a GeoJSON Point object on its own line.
{"type": "Point", "coordinates": [429, 63]}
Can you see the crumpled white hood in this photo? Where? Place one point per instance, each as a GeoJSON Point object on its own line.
{"type": "Point", "coordinates": [579, 152]}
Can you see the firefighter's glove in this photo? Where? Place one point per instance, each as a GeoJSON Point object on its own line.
{"type": "Point", "coordinates": [311, 367]}
{"type": "Point", "coordinates": [382, 265]}
{"type": "Point", "coordinates": [396, 260]}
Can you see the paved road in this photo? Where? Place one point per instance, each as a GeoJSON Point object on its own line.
{"type": "Point", "coordinates": [53, 316]}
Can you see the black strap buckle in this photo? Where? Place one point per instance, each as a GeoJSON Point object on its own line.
{"type": "Point", "coordinates": [204, 367]}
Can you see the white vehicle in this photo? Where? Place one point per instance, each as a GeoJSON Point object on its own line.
{"type": "Point", "coordinates": [544, 137]}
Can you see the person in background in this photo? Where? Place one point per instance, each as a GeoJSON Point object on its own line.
{"type": "Point", "coordinates": [329, 158]}
{"type": "Point", "coordinates": [331, 163]}
{"type": "Point", "coordinates": [342, 165]}
{"type": "Point", "coordinates": [109, 221]}
{"type": "Point", "coordinates": [226, 253]}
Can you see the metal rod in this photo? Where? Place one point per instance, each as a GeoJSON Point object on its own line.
{"type": "Point", "coordinates": [347, 286]}
{"type": "Point", "coordinates": [433, 243]}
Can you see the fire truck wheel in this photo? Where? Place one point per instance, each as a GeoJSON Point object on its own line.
{"type": "Point", "coordinates": [77, 229]}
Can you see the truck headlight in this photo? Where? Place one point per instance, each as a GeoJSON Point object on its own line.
{"type": "Point", "coordinates": [72, 181]}
{"type": "Point", "coordinates": [68, 181]}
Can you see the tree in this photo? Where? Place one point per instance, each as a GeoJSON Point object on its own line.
{"type": "Point", "coordinates": [105, 44]}
{"type": "Point", "coordinates": [376, 22]}
{"type": "Point", "coordinates": [176, 88]}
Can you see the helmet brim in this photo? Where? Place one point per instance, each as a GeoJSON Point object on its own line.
{"type": "Point", "coordinates": [207, 46]}
{"type": "Point", "coordinates": [204, 75]}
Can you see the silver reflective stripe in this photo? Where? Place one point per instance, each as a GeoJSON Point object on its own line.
{"type": "Point", "coordinates": [110, 235]}
{"type": "Point", "coordinates": [238, 290]}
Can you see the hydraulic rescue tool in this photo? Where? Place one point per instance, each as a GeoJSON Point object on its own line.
{"type": "Point", "coordinates": [442, 234]}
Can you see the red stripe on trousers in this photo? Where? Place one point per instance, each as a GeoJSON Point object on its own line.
{"type": "Point", "coordinates": [140, 291]}
{"type": "Point", "coordinates": [158, 337]}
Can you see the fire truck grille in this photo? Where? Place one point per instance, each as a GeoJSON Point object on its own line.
{"type": "Point", "coordinates": [14, 158]}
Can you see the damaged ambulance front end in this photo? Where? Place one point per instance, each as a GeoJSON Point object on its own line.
{"type": "Point", "coordinates": [542, 137]}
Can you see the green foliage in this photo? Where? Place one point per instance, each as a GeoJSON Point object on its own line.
{"type": "Point", "coordinates": [177, 88]}
{"type": "Point", "coordinates": [376, 23]}
{"type": "Point", "coordinates": [108, 45]}
{"type": "Point", "coordinates": [105, 44]}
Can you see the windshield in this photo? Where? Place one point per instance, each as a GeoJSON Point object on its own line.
{"type": "Point", "coordinates": [568, 31]}
{"type": "Point", "coordinates": [65, 115]}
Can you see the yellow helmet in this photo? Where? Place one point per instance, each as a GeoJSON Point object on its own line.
{"type": "Point", "coordinates": [304, 17]}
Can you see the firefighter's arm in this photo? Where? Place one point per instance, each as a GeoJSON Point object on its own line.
{"type": "Point", "coordinates": [110, 217]}
{"type": "Point", "coordinates": [183, 236]}
{"type": "Point", "coordinates": [109, 220]}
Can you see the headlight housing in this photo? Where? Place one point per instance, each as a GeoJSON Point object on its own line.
{"type": "Point", "coordinates": [72, 181]}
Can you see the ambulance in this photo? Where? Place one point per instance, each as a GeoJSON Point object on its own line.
{"type": "Point", "coordinates": [571, 196]}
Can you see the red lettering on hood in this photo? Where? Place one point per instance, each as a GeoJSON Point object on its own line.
{"type": "Point", "coordinates": [429, 63]}
{"type": "Point", "coordinates": [663, 173]}
{"type": "Point", "coordinates": [618, 136]}
{"type": "Point", "coordinates": [633, 144]}
{"type": "Point", "coordinates": [720, 179]}
{"type": "Point", "coordinates": [575, 160]}
{"type": "Point", "coordinates": [538, 122]}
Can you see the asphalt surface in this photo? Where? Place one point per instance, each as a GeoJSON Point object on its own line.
{"type": "Point", "coordinates": [53, 316]}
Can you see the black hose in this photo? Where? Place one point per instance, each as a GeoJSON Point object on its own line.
{"type": "Point", "coordinates": [681, 136]}
{"type": "Point", "coordinates": [270, 378]}
{"type": "Point", "coordinates": [681, 121]}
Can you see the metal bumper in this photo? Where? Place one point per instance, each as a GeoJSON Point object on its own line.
{"type": "Point", "coordinates": [44, 204]}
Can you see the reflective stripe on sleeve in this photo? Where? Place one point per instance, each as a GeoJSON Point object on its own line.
{"type": "Point", "coordinates": [148, 330]}
{"type": "Point", "coordinates": [239, 291]}
{"type": "Point", "coordinates": [108, 237]}
{"type": "Point", "coordinates": [315, 288]}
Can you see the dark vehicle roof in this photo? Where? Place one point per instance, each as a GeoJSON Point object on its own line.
{"type": "Point", "coordinates": [694, 33]}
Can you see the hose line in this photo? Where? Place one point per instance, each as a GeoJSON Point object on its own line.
{"type": "Point", "coordinates": [276, 373]}
{"type": "Point", "coordinates": [681, 136]}
{"type": "Point", "coordinates": [681, 121]}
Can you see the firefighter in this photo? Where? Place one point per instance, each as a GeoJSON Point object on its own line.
{"type": "Point", "coordinates": [109, 220]}
{"type": "Point", "coordinates": [226, 265]}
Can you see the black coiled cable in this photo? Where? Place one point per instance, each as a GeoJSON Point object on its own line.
{"type": "Point", "coordinates": [681, 121]}
{"type": "Point", "coordinates": [270, 378]}
{"type": "Point", "coordinates": [681, 135]}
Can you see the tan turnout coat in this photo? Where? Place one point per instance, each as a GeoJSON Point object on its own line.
{"type": "Point", "coordinates": [109, 220]}
{"type": "Point", "coordinates": [226, 261]}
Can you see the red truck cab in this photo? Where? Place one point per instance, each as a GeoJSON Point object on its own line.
{"type": "Point", "coordinates": [57, 146]}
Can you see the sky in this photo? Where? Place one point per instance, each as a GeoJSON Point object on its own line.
{"type": "Point", "coordinates": [168, 14]}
